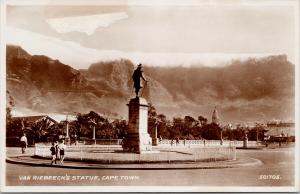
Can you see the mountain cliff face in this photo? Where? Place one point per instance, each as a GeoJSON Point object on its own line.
{"type": "Point", "coordinates": [46, 85]}
{"type": "Point", "coordinates": [255, 89]}
{"type": "Point", "coordinates": [115, 79]}
{"type": "Point", "coordinates": [42, 84]}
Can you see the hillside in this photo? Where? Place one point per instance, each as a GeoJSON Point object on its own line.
{"type": "Point", "coordinates": [255, 89]}
{"type": "Point", "coordinates": [45, 85]}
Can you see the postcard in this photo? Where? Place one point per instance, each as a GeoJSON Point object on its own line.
{"type": "Point", "coordinates": [142, 96]}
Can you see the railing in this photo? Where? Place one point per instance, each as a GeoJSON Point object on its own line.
{"type": "Point", "coordinates": [43, 149]}
{"type": "Point", "coordinates": [204, 143]}
{"type": "Point", "coordinates": [101, 142]}
{"type": "Point", "coordinates": [113, 154]}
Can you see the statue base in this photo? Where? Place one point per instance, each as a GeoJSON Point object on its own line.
{"type": "Point", "coordinates": [138, 139]}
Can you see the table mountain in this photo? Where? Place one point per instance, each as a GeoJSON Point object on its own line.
{"type": "Point", "coordinates": [248, 90]}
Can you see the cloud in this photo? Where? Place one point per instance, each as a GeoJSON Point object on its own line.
{"type": "Point", "coordinates": [80, 57]}
{"type": "Point", "coordinates": [85, 24]}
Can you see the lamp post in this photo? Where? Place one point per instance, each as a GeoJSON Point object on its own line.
{"type": "Point", "coordinates": [94, 130]}
{"type": "Point", "coordinates": [221, 137]}
{"type": "Point", "coordinates": [154, 140]}
{"type": "Point", "coordinates": [245, 144]}
{"type": "Point", "coordinates": [67, 137]}
{"type": "Point", "coordinates": [67, 134]}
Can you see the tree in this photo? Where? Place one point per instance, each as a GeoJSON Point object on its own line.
{"type": "Point", "coordinates": [227, 132]}
{"type": "Point", "coordinates": [39, 130]}
{"type": "Point", "coordinates": [177, 128]}
{"type": "Point", "coordinates": [239, 133]}
{"type": "Point", "coordinates": [190, 124]}
{"type": "Point", "coordinates": [120, 127]}
{"type": "Point", "coordinates": [256, 133]}
{"type": "Point", "coordinates": [202, 120]}
{"type": "Point", "coordinates": [152, 119]}
{"type": "Point", "coordinates": [211, 131]}
{"type": "Point", "coordinates": [162, 129]}
{"type": "Point", "coordinates": [88, 121]}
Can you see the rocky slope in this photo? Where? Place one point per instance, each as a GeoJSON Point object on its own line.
{"type": "Point", "coordinates": [255, 89]}
{"type": "Point", "coordinates": [46, 85]}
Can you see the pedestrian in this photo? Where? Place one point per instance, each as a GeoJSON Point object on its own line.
{"type": "Point", "coordinates": [56, 151]}
{"type": "Point", "coordinates": [53, 153]}
{"type": "Point", "coordinates": [24, 143]}
{"type": "Point", "coordinates": [62, 147]}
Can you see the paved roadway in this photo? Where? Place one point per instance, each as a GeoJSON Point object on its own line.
{"type": "Point", "coordinates": [277, 170]}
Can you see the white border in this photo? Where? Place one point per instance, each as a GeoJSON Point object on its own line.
{"type": "Point", "coordinates": [153, 2]}
{"type": "Point", "coordinates": [297, 87]}
{"type": "Point", "coordinates": [145, 188]}
{"type": "Point", "coordinates": [3, 93]}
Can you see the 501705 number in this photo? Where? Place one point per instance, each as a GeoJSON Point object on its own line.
{"type": "Point", "coordinates": [270, 177]}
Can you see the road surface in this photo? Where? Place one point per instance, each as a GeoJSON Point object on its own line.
{"type": "Point", "coordinates": [277, 170]}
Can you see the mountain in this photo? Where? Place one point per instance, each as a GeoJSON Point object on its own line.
{"type": "Point", "coordinates": [114, 77]}
{"type": "Point", "coordinates": [250, 90]}
{"type": "Point", "coordinates": [42, 84]}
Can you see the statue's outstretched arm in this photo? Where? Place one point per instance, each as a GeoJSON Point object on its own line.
{"type": "Point", "coordinates": [143, 77]}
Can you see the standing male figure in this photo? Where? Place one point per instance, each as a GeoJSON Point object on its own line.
{"type": "Point", "coordinates": [57, 157]}
{"type": "Point", "coordinates": [56, 151]}
{"type": "Point", "coordinates": [24, 143]}
{"type": "Point", "coordinates": [137, 75]}
{"type": "Point", "coordinates": [62, 147]}
{"type": "Point", "coordinates": [53, 153]}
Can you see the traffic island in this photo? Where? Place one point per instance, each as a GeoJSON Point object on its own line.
{"type": "Point", "coordinates": [102, 155]}
{"type": "Point", "coordinates": [42, 162]}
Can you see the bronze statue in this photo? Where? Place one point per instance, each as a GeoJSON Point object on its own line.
{"type": "Point", "coordinates": [137, 75]}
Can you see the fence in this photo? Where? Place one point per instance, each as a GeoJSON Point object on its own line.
{"type": "Point", "coordinates": [113, 154]}
{"type": "Point", "coordinates": [43, 149]}
{"type": "Point", "coordinates": [101, 142]}
{"type": "Point", "coordinates": [204, 143]}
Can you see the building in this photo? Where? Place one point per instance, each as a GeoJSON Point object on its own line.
{"type": "Point", "coordinates": [35, 119]}
{"type": "Point", "coordinates": [215, 118]}
{"type": "Point", "coordinates": [13, 132]}
{"type": "Point", "coordinates": [280, 129]}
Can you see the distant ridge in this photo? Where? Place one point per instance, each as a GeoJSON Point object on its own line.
{"type": "Point", "coordinates": [250, 90]}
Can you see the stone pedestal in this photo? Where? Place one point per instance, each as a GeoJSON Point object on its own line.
{"type": "Point", "coordinates": [138, 139]}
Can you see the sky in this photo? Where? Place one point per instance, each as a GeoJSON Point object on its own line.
{"type": "Point", "coordinates": [156, 35]}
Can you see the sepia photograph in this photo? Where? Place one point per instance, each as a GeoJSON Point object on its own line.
{"type": "Point", "coordinates": [141, 96]}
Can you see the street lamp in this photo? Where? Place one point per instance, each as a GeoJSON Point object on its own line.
{"type": "Point", "coordinates": [94, 129]}
{"type": "Point", "coordinates": [154, 140]}
{"type": "Point", "coordinates": [67, 134]}
{"type": "Point", "coordinates": [221, 136]}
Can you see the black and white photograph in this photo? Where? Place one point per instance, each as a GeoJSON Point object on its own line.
{"type": "Point", "coordinates": [141, 96]}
